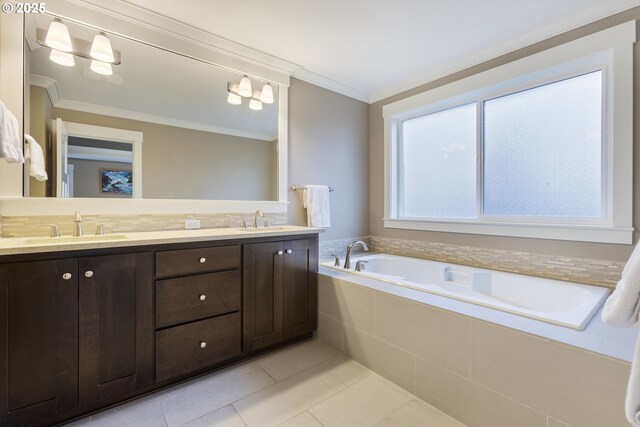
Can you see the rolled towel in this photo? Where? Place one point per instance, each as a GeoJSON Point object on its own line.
{"type": "Point", "coordinates": [33, 153]}
{"type": "Point", "coordinates": [622, 309]}
{"type": "Point", "coordinates": [10, 142]}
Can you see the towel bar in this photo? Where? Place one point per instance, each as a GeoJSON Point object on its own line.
{"type": "Point", "coordinates": [295, 188]}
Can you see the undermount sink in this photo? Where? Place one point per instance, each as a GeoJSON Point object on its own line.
{"type": "Point", "coordinates": [265, 229]}
{"type": "Point", "coordinates": [71, 239]}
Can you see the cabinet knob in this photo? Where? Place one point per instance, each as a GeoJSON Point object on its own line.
{"type": "Point", "coordinates": [88, 273]}
{"type": "Point", "coordinates": [203, 297]}
{"type": "Point", "coordinates": [203, 260]}
{"type": "Point", "coordinates": [288, 251]}
{"type": "Point", "coordinates": [66, 276]}
{"type": "Point", "coordinates": [279, 253]}
{"type": "Point", "coordinates": [203, 344]}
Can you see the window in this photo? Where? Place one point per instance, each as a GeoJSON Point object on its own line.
{"type": "Point", "coordinates": [527, 149]}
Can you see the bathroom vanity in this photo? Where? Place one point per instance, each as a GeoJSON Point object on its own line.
{"type": "Point", "coordinates": [89, 325]}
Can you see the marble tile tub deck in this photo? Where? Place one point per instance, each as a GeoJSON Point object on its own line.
{"type": "Point", "coordinates": [307, 384]}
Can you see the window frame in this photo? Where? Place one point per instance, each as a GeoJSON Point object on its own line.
{"type": "Point", "coordinates": [609, 51]}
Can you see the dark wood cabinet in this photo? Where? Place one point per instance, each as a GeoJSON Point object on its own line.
{"type": "Point", "coordinates": [279, 292]}
{"type": "Point", "coordinates": [116, 325]}
{"type": "Point", "coordinates": [38, 340]}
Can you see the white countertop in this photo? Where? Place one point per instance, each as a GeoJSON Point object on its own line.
{"type": "Point", "coordinates": [30, 245]}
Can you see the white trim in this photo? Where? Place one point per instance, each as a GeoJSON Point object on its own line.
{"type": "Point", "coordinates": [283, 144]}
{"type": "Point", "coordinates": [332, 85]}
{"type": "Point", "coordinates": [34, 206]}
{"type": "Point", "coordinates": [50, 85]}
{"type": "Point", "coordinates": [579, 233]}
{"type": "Point", "coordinates": [161, 120]}
{"type": "Point", "coordinates": [575, 21]}
{"type": "Point", "coordinates": [611, 47]}
{"type": "Point", "coordinates": [134, 138]}
{"type": "Point", "coordinates": [102, 154]}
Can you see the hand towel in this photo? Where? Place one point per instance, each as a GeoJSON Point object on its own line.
{"type": "Point", "coordinates": [316, 200]}
{"type": "Point", "coordinates": [33, 153]}
{"type": "Point", "coordinates": [622, 309]}
{"type": "Point", "coordinates": [10, 142]}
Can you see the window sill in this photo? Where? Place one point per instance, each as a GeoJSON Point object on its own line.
{"type": "Point", "coordinates": [579, 233]}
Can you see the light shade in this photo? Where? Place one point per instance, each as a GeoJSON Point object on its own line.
{"type": "Point", "coordinates": [58, 36]}
{"type": "Point", "coordinates": [266, 95]}
{"type": "Point", "coordinates": [101, 68]}
{"type": "Point", "coordinates": [244, 88]}
{"type": "Point", "coordinates": [254, 104]}
{"type": "Point", "coordinates": [234, 99]}
{"type": "Point", "coordinates": [101, 48]}
{"type": "Point", "coordinates": [62, 58]}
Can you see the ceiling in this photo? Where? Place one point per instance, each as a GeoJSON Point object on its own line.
{"type": "Point", "coordinates": [372, 49]}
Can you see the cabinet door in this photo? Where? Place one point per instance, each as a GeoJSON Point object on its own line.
{"type": "Point", "coordinates": [116, 325]}
{"type": "Point", "coordinates": [262, 295]}
{"type": "Point", "coordinates": [300, 287]}
{"type": "Point", "coordinates": [38, 340]}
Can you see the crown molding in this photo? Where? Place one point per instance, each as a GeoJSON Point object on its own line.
{"type": "Point", "coordinates": [575, 21]}
{"type": "Point", "coordinates": [50, 85]}
{"type": "Point", "coordinates": [332, 85]}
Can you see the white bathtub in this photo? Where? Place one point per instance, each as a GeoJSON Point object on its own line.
{"type": "Point", "coordinates": [561, 303]}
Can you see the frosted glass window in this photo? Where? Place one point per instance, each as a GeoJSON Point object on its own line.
{"type": "Point", "coordinates": [438, 164]}
{"type": "Point", "coordinates": [542, 150]}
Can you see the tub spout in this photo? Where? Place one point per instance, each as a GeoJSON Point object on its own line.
{"type": "Point", "coordinates": [347, 260]}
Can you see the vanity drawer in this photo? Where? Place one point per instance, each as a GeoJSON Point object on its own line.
{"type": "Point", "coordinates": [201, 260]}
{"type": "Point", "coordinates": [186, 348]}
{"type": "Point", "coordinates": [184, 299]}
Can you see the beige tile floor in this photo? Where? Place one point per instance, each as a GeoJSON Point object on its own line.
{"type": "Point", "coordinates": [307, 384]}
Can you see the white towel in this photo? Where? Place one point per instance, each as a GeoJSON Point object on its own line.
{"type": "Point", "coordinates": [622, 309]}
{"type": "Point", "coordinates": [33, 154]}
{"type": "Point", "coordinates": [316, 200]}
{"type": "Point", "coordinates": [10, 142]}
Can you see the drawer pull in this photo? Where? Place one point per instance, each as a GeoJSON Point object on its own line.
{"type": "Point", "coordinates": [203, 344]}
{"type": "Point", "coordinates": [288, 251]}
{"type": "Point", "coordinates": [203, 297]}
{"type": "Point", "coordinates": [88, 273]}
{"type": "Point", "coordinates": [279, 253]}
{"type": "Point", "coordinates": [66, 276]}
{"type": "Point", "coordinates": [203, 260]}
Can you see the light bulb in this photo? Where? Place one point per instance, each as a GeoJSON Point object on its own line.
{"type": "Point", "coordinates": [101, 48]}
{"type": "Point", "coordinates": [244, 88]}
{"type": "Point", "coordinates": [254, 104]}
{"type": "Point", "coordinates": [234, 99]}
{"type": "Point", "coordinates": [62, 58]}
{"type": "Point", "coordinates": [101, 68]}
{"type": "Point", "coordinates": [266, 95]}
{"type": "Point", "coordinates": [58, 36]}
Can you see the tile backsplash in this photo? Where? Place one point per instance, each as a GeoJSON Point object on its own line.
{"type": "Point", "coordinates": [27, 226]}
{"type": "Point", "coordinates": [590, 271]}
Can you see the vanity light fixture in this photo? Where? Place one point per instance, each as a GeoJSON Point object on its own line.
{"type": "Point", "coordinates": [244, 88]}
{"type": "Point", "coordinates": [266, 95]}
{"type": "Point", "coordinates": [100, 67]}
{"type": "Point", "coordinates": [58, 36]}
{"type": "Point", "coordinates": [101, 48]}
{"type": "Point", "coordinates": [255, 104]}
{"type": "Point", "coordinates": [233, 98]}
{"type": "Point", "coordinates": [62, 58]}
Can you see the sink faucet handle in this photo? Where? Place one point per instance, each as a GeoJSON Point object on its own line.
{"type": "Point", "coordinates": [360, 265]}
{"type": "Point", "coordinates": [100, 230]}
{"type": "Point", "coordinates": [266, 222]}
{"type": "Point", "coordinates": [55, 231]}
{"type": "Point", "coordinates": [337, 263]}
{"type": "Point", "coordinates": [243, 223]}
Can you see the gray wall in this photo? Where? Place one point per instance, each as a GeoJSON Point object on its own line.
{"type": "Point", "coordinates": [328, 144]}
{"type": "Point", "coordinates": [552, 247]}
{"type": "Point", "coordinates": [87, 181]}
{"type": "Point", "coordinates": [180, 163]}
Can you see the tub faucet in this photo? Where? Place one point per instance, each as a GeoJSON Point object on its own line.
{"type": "Point", "coordinates": [347, 260]}
{"type": "Point", "coordinates": [77, 226]}
{"type": "Point", "coordinates": [258, 213]}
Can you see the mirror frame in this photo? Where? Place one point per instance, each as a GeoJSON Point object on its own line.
{"type": "Point", "coordinates": [155, 30]}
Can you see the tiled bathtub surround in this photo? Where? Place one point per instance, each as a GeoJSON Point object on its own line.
{"type": "Point", "coordinates": [589, 271]}
{"type": "Point", "coordinates": [482, 374]}
{"type": "Point", "coordinates": [28, 226]}
{"type": "Point", "coordinates": [339, 246]}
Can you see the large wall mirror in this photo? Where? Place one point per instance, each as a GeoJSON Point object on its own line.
{"type": "Point", "coordinates": [154, 124]}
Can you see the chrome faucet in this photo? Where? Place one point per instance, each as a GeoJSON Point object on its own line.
{"type": "Point", "coordinates": [347, 260]}
{"type": "Point", "coordinates": [258, 213]}
{"type": "Point", "coordinates": [77, 226]}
